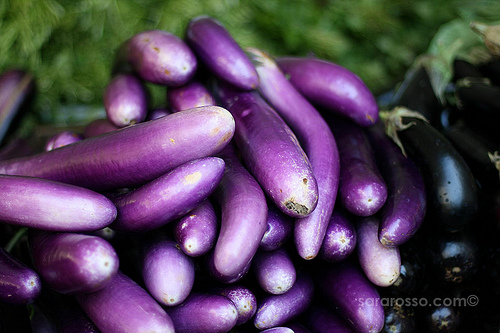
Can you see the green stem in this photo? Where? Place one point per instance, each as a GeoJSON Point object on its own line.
{"type": "Point", "coordinates": [15, 239]}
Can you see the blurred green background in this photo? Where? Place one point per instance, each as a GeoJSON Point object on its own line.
{"type": "Point", "coordinates": [69, 44]}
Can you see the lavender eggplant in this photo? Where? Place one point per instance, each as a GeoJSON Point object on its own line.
{"type": "Point", "coordinates": [345, 287]}
{"type": "Point", "coordinates": [362, 189]}
{"type": "Point", "coordinates": [123, 306]}
{"type": "Point", "coordinates": [191, 95]}
{"type": "Point", "coordinates": [243, 217]}
{"type": "Point", "coordinates": [279, 329]}
{"type": "Point", "coordinates": [98, 127]}
{"type": "Point", "coordinates": [117, 159]}
{"type": "Point", "coordinates": [243, 299]}
{"type": "Point", "coordinates": [167, 272]}
{"type": "Point", "coordinates": [332, 87]}
{"type": "Point", "coordinates": [62, 139]}
{"type": "Point", "coordinates": [20, 284]}
{"type": "Point", "coordinates": [319, 144]}
{"type": "Point", "coordinates": [197, 231]}
{"type": "Point", "coordinates": [72, 263]}
{"type": "Point", "coordinates": [380, 263]}
{"type": "Point", "coordinates": [274, 271]}
{"type": "Point", "coordinates": [125, 100]}
{"type": "Point", "coordinates": [16, 87]}
{"type": "Point", "coordinates": [218, 51]}
{"type": "Point", "coordinates": [159, 57]}
{"type": "Point", "coordinates": [276, 310]}
{"type": "Point", "coordinates": [271, 152]}
{"type": "Point", "coordinates": [168, 197]}
{"type": "Point", "coordinates": [204, 313]}
{"type": "Point", "coordinates": [340, 239]}
{"type": "Point", "coordinates": [321, 319]}
{"type": "Point", "coordinates": [279, 229]}
{"type": "Point", "coordinates": [49, 205]}
{"type": "Point", "coordinates": [406, 203]}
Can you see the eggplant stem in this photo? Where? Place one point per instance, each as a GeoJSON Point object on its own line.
{"type": "Point", "coordinates": [15, 239]}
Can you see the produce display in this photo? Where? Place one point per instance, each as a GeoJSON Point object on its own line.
{"type": "Point", "coordinates": [269, 194]}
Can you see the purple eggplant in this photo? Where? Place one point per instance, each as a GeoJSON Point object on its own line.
{"type": "Point", "coordinates": [19, 284]}
{"type": "Point", "coordinates": [49, 205]}
{"type": "Point", "coordinates": [62, 139]}
{"type": "Point", "coordinates": [406, 204]}
{"type": "Point", "coordinates": [340, 239]}
{"type": "Point", "coordinates": [168, 197]}
{"type": "Point", "coordinates": [218, 51]}
{"type": "Point", "coordinates": [271, 152]}
{"type": "Point", "coordinates": [318, 142]}
{"type": "Point", "coordinates": [159, 57]}
{"type": "Point", "coordinates": [380, 263]}
{"type": "Point", "coordinates": [204, 313]}
{"type": "Point", "coordinates": [276, 310]}
{"type": "Point", "coordinates": [157, 113]}
{"type": "Point", "coordinates": [243, 299]}
{"type": "Point", "coordinates": [321, 319]}
{"type": "Point", "coordinates": [332, 87]}
{"type": "Point", "coordinates": [167, 272]}
{"type": "Point", "coordinates": [279, 329]}
{"type": "Point", "coordinates": [133, 155]}
{"type": "Point", "coordinates": [243, 217]}
{"type": "Point", "coordinates": [345, 287]}
{"type": "Point", "coordinates": [274, 271]}
{"type": "Point", "coordinates": [197, 231]}
{"type": "Point", "coordinates": [123, 306]}
{"type": "Point", "coordinates": [228, 279]}
{"type": "Point", "coordinates": [362, 189]}
{"type": "Point", "coordinates": [191, 95]}
{"type": "Point", "coordinates": [18, 147]}
{"type": "Point", "coordinates": [72, 263]}
{"type": "Point", "coordinates": [98, 127]}
{"type": "Point", "coordinates": [125, 100]}
{"type": "Point", "coordinates": [279, 229]}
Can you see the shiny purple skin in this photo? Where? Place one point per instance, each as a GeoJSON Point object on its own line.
{"type": "Point", "coordinates": [197, 231]}
{"type": "Point", "coordinates": [340, 240]}
{"type": "Point", "coordinates": [279, 229]}
{"type": "Point", "coordinates": [380, 263]}
{"type": "Point", "coordinates": [123, 306]}
{"type": "Point", "coordinates": [125, 100]}
{"type": "Point", "coordinates": [49, 205]}
{"type": "Point", "coordinates": [168, 197]}
{"type": "Point", "coordinates": [332, 87]}
{"type": "Point", "coordinates": [276, 310]}
{"type": "Point", "coordinates": [280, 329]}
{"type": "Point", "coordinates": [406, 204]}
{"type": "Point", "coordinates": [204, 313]}
{"type": "Point", "coordinates": [134, 155]}
{"type": "Point", "coordinates": [345, 287]}
{"type": "Point", "coordinates": [271, 152]}
{"type": "Point", "coordinates": [167, 272]}
{"type": "Point", "coordinates": [224, 278]}
{"type": "Point", "coordinates": [321, 319]}
{"type": "Point", "coordinates": [62, 139]}
{"type": "Point", "coordinates": [318, 142]}
{"type": "Point", "coordinates": [243, 299]}
{"type": "Point", "coordinates": [16, 86]}
{"type": "Point", "coordinates": [19, 284]}
{"type": "Point", "coordinates": [72, 263]}
{"type": "Point", "coordinates": [217, 49]}
{"type": "Point", "coordinates": [274, 271]}
{"type": "Point", "coordinates": [362, 189]}
{"type": "Point", "coordinates": [243, 217]}
{"type": "Point", "coordinates": [98, 127]}
{"type": "Point", "coordinates": [160, 57]}
{"type": "Point", "coordinates": [191, 95]}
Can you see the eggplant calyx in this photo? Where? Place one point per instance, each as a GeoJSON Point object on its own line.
{"type": "Point", "coordinates": [495, 159]}
{"type": "Point", "coordinates": [490, 35]}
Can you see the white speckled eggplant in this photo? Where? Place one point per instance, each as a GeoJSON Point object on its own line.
{"type": "Point", "coordinates": [332, 87]}
{"type": "Point", "coordinates": [274, 271]}
{"type": "Point", "coordinates": [62, 139]}
{"type": "Point", "coordinates": [271, 152]}
{"type": "Point", "coordinates": [134, 155]}
{"type": "Point", "coordinates": [204, 313]}
{"type": "Point", "coordinates": [123, 306]}
{"type": "Point", "coordinates": [167, 272]}
{"type": "Point", "coordinates": [380, 263]}
{"type": "Point", "coordinates": [20, 284]}
{"type": "Point", "coordinates": [49, 205]}
{"type": "Point", "coordinates": [243, 299]}
{"type": "Point", "coordinates": [219, 52]}
{"type": "Point", "coordinates": [340, 239]}
{"type": "Point", "coordinates": [72, 263]}
{"type": "Point", "coordinates": [168, 197]}
{"type": "Point", "coordinates": [191, 95]}
{"type": "Point", "coordinates": [197, 231]}
{"type": "Point", "coordinates": [125, 100]}
{"type": "Point", "coordinates": [318, 142]}
{"type": "Point", "coordinates": [279, 229]}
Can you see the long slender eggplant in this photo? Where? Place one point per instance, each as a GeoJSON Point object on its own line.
{"type": "Point", "coordinates": [274, 271]}
{"type": "Point", "coordinates": [321, 319]}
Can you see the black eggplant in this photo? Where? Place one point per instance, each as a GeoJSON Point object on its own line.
{"type": "Point", "coordinates": [442, 319]}
{"type": "Point", "coordinates": [399, 319]}
{"type": "Point", "coordinates": [491, 70]}
{"type": "Point", "coordinates": [463, 69]}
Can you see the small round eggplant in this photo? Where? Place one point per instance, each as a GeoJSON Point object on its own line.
{"type": "Point", "coordinates": [340, 239]}
{"type": "Point", "coordinates": [243, 299]}
{"type": "Point", "coordinates": [191, 95]}
{"type": "Point", "coordinates": [279, 229]}
{"type": "Point", "coordinates": [399, 320]}
{"type": "Point", "coordinates": [62, 139]}
{"type": "Point", "coordinates": [98, 127]}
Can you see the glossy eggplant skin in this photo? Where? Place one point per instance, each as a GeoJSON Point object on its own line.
{"type": "Point", "coordinates": [452, 192]}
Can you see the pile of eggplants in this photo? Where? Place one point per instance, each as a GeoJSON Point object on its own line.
{"type": "Point", "coordinates": [265, 195]}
